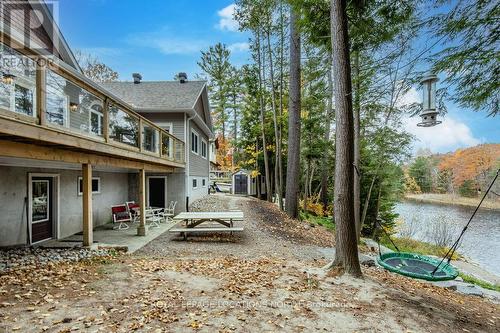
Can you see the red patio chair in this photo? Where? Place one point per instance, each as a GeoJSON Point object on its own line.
{"type": "Point", "coordinates": [121, 216]}
{"type": "Point", "coordinates": [133, 209]}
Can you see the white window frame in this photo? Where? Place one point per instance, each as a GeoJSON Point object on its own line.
{"type": "Point", "coordinates": [100, 119]}
{"type": "Point", "coordinates": [169, 127]}
{"type": "Point", "coordinates": [203, 141]}
{"type": "Point", "coordinates": [204, 182]}
{"type": "Point", "coordinates": [193, 132]}
{"type": "Point", "coordinates": [79, 190]}
{"type": "Point", "coordinates": [194, 180]}
{"type": "Point", "coordinates": [165, 126]}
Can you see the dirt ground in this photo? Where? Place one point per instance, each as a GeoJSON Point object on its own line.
{"type": "Point", "coordinates": [265, 280]}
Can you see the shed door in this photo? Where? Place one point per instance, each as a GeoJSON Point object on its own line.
{"type": "Point", "coordinates": [41, 209]}
{"type": "Point", "coordinates": [241, 184]}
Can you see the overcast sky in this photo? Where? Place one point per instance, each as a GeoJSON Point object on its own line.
{"type": "Point", "coordinates": [159, 38]}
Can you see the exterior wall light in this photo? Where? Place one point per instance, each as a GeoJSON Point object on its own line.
{"type": "Point", "coordinates": [429, 112]}
{"type": "Point", "coordinates": [8, 78]}
{"type": "Point", "coordinates": [73, 106]}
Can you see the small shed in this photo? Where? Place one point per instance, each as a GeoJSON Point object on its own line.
{"type": "Point", "coordinates": [244, 184]}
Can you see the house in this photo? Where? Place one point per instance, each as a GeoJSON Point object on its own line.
{"type": "Point", "coordinates": [71, 148]}
{"type": "Point", "coordinates": [182, 109]}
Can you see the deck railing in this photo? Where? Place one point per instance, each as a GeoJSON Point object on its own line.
{"type": "Point", "coordinates": [55, 95]}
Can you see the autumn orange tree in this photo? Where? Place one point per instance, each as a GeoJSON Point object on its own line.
{"type": "Point", "coordinates": [471, 164]}
{"type": "Point", "coordinates": [224, 156]}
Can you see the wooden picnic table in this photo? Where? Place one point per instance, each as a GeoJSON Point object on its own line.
{"type": "Point", "coordinates": [193, 220]}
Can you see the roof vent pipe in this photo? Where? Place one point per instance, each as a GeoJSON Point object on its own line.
{"type": "Point", "coordinates": [182, 77]}
{"type": "Point", "coordinates": [137, 78]}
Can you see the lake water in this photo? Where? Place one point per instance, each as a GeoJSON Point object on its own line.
{"type": "Point", "coordinates": [481, 241]}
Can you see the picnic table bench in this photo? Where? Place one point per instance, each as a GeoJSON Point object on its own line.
{"type": "Point", "coordinates": [212, 222]}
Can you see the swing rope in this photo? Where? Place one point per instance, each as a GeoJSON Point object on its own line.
{"type": "Point", "coordinates": [389, 237]}
{"type": "Point", "coordinates": [454, 247]}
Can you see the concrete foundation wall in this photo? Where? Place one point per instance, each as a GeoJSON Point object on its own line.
{"type": "Point", "coordinates": [201, 190]}
{"type": "Point", "coordinates": [176, 191]}
{"type": "Point", "coordinates": [14, 192]}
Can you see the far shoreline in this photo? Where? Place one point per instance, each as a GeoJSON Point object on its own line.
{"type": "Point", "coordinates": [450, 200]}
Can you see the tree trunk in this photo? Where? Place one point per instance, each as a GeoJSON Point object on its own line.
{"type": "Point", "coordinates": [293, 167]}
{"type": "Point", "coordinates": [324, 161]}
{"type": "Point", "coordinates": [367, 200]}
{"type": "Point", "coordinates": [280, 127]}
{"type": "Point", "coordinates": [346, 253]}
{"type": "Point", "coordinates": [277, 171]}
{"type": "Point", "coordinates": [357, 180]}
{"type": "Point", "coordinates": [262, 122]}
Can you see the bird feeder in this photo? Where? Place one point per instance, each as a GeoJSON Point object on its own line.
{"type": "Point", "coordinates": [429, 112]}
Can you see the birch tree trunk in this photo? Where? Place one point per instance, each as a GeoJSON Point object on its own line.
{"type": "Point", "coordinates": [293, 168]}
{"type": "Point", "coordinates": [262, 122]}
{"type": "Point", "coordinates": [346, 252]}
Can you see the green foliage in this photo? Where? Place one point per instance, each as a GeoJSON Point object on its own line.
{"type": "Point", "coordinates": [468, 189]}
{"type": "Point", "coordinates": [324, 221]}
{"type": "Point", "coordinates": [415, 246]}
{"type": "Point", "coordinates": [471, 54]}
{"type": "Point", "coordinates": [478, 282]}
{"type": "Point", "coordinates": [215, 63]}
{"type": "Point", "coordinates": [381, 172]}
{"type": "Point", "coordinates": [421, 171]}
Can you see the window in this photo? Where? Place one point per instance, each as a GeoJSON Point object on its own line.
{"type": "Point", "coordinates": [96, 120]}
{"type": "Point", "coordinates": [204, 182]}
{"type": "Point", "coordinates": [40, 197]}
{"type": "Point", "coordinates": [96, 185]}
{"type": "Point", "coordinates": [167, 141]}
{"type": "Point", "coordinates": [203, 148]}
{"type": "Point", "coordinates": [195, 183]}
{"type": "Point", "coordinates": [194, 142]}
{"type": "Point", "coordinates": [123, 127]}
{"type": "Point", "coordinates": [17, 82]}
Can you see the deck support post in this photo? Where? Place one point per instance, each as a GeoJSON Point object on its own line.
{"type": "Point", "coordinates": [141, 228]}
{"type": "Point", "coordinates": [88, 237]}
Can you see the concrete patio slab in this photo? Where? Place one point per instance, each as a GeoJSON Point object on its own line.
{"type": "Point", "coordinates": [106, 237]}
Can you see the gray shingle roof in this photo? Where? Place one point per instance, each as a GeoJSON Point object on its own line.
{"type": "Point", "coordinates": [165, 95]}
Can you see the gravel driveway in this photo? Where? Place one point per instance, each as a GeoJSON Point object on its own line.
{"type": "Point", "coordinates": [264, 235]}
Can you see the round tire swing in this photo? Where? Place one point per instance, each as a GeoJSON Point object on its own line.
{"type": "Point", "coordinates": [423, 267]}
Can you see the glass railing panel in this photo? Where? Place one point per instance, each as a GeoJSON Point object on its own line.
{"type": "Point", "coordinates": [179, 151]}
{"type": "Point", "coordinates": [70, 106]}
{"type": "Point", "coordinates": [167, 148]}
{"type": "Point", "coordinates": [123, 127]}
{"type": "Point", "coordinates": [150, 138]}
{"type": "Point", "coordinates": [17, 82]}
